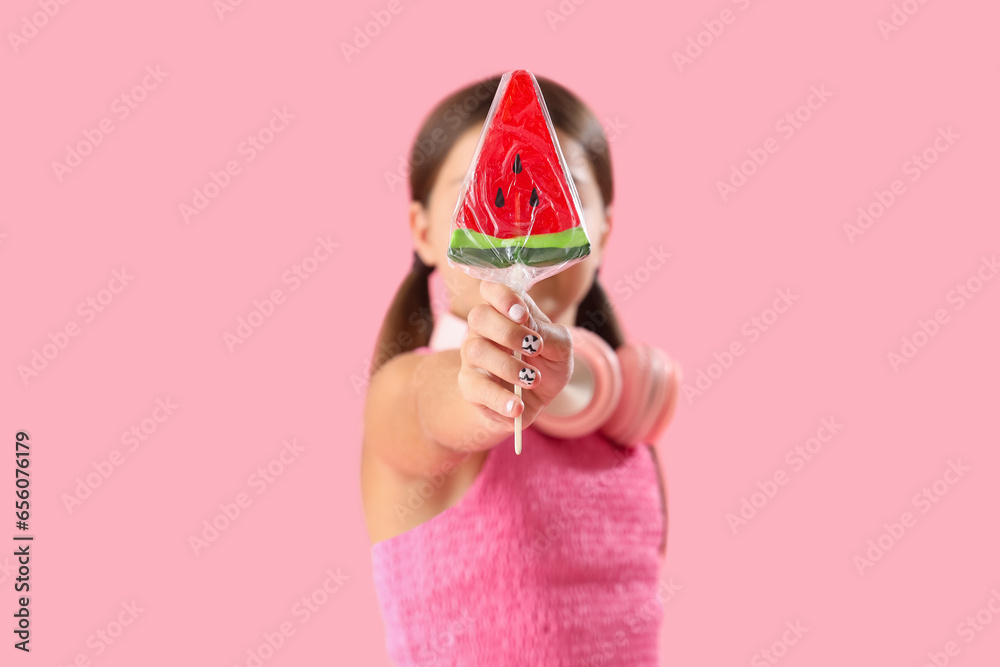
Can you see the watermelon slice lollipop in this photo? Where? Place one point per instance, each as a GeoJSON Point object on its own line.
{"type": "Point", "coordinates": [518, 204]}
{"type": "Point", "coordinates": [518, 218]}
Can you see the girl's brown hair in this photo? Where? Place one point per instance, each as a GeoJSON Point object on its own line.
{"type": "Point", "coordinates": [409, 320]}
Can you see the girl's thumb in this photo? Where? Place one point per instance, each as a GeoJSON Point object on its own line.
{"type": "Point", "coordinates": [535, 312]}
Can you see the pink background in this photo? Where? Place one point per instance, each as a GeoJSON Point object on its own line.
{"type": "Point", "coordinates": [680, 131]}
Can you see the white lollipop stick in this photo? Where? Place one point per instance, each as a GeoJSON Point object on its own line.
{"type": "Point", "coordinates": [519, 283]}
{"type": "Point", "coordinates": [517, 419]}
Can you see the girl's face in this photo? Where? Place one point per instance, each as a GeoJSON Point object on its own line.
{"type": "Point", "coordinates": [556, 295]}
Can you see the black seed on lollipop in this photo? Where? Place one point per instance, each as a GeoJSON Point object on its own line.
{"type": "Point", "coordinates": [517, 164]}
{"type": "Point", "coordinates": [499, 201]}
{"type": "Point", "coordinates": [534, 197]}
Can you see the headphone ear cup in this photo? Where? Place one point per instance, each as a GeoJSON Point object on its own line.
{"type": "Point", "coordinates": [670, 381]}
{"type": "Point", "coordinates": [592, 393]}
{"type": "Point", "coordinates": [621, 427]}
{"type": "Point", "coordinates": [650, 381]}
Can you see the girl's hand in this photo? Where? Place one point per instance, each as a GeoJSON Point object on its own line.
{"type": "Point", "coordinates": [497, 328]}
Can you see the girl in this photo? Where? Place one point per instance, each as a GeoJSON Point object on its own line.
{"type": "Point", "coordinates": [480, 556]}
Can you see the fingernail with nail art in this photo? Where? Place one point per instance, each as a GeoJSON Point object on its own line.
{"type": "Point", "coordinates": [531, 343]}
{"type": "Point", "coordinates": [527, 376]}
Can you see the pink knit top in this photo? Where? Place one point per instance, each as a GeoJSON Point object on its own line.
{"type": "Point", "coordinates": [550, 558]}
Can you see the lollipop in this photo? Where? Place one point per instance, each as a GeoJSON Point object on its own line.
{"type": "Point", "coordinates": [518, 218]}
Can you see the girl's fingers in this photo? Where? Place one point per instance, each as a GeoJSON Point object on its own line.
{"type": "Point", "coordinates": [485, 321]}
{"type": "Point", "coordinates": [507, 302]}
{"type": "Point", "coordinates": [533, 309]}
{"type": "Point", "coordinates": [478, 388]}
{"type": "Point", "coordinates": [558, 343]}
{"type": "Point", "coordinates": [558, 340]}
{"type": "Point", "coordinates": [481, 353]}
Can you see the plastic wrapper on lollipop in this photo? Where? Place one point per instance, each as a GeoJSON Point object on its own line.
{"type": "Point", "coordinates": [518, 218]}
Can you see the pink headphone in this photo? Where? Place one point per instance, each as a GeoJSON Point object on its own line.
{"type": "Point", "coordinates": [629, 395]}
